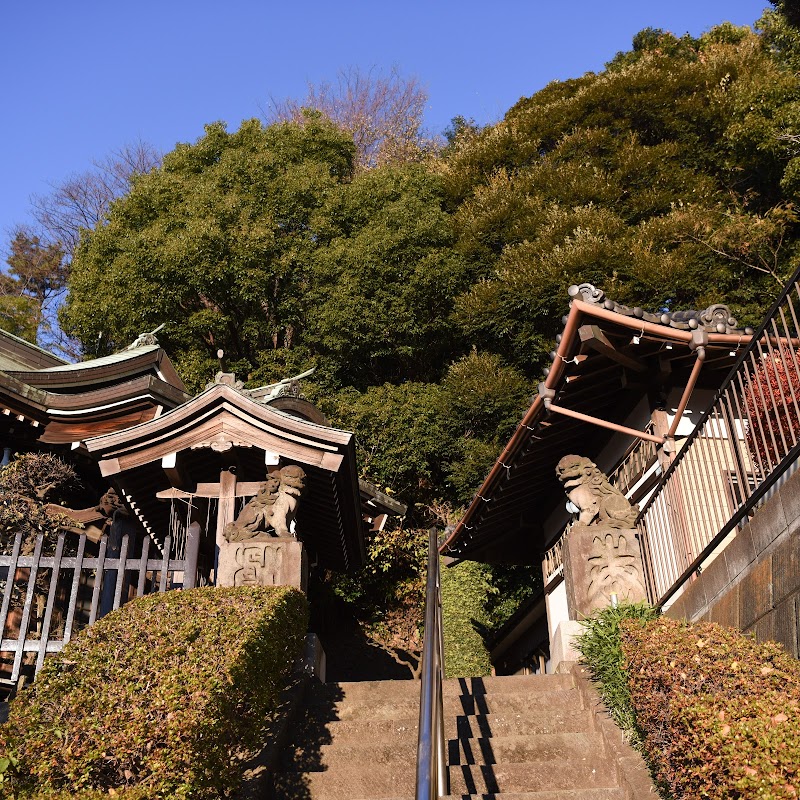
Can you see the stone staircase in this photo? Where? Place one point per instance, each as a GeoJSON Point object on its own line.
{"type": "Point", "coordinates": [542, 737]}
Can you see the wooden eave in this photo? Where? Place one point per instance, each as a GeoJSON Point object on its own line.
{"type": "Point", "coordinates": [96, 401]}
{"type": "Point", "coordinates": [599, 372]}
{"type": "Point", "coordinates": [26, 355]}
{"type": "Point", "coordinates": [103, 371]}
{"type": "Point", "coordinates": [330, 513]}
{"type": "Point", "coordinates": [21, 399]}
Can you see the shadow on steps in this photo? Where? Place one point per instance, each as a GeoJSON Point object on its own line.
{"type": "Point", "coordinates": [350, 655]}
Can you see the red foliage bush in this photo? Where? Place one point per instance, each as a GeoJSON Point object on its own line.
{"type": "Point", "coordinates": [719, 712]}
{"type": "Point", "coordinates": [771, 398]}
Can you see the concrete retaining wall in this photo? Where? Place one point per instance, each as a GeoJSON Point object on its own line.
{"type": "Point", "coordinates": [754, 584]}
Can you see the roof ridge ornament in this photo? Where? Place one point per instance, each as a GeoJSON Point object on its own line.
{"type": "Point", "coordinates": [227, 379]}
{"type": "Point", "coordinates": [285, 387]}
{"type": "Point", "coordinates": [145, 339]}
{"type": "Point", "coordinates": [717, 318]}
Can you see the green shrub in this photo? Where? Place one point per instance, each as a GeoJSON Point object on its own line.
{"type": "Point", "coordinates": [161, 699]}
{"type": "Point", "coordinates": [464, 590]}
{"type": "Point", "coordinates": [719, 712]}
{"type": "Point", "coordinates": [601, 651]}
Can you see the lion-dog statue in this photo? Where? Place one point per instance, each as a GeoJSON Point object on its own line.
{"type": "Point", "coordinates": [273, 509]}
{"type": "Point", "coordinates": [599, 502]}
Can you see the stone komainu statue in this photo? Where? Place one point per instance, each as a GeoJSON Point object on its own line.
{"type": "Point", "coordinates": [599, 502]}
{"type": "Point", "coordinates": [273, 509]}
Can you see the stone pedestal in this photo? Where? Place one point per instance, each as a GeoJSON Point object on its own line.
{"type": "Point", "coordinates": [600, 561]}
{"type": "Point", "coordinates": [563, 652]}
{"type": "Point", "coordinates": [265, 561]}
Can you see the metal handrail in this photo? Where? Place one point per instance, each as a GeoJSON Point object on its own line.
{"type": "Point", "coordinates": [432, 776]}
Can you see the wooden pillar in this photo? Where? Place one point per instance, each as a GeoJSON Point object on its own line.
{"type": "Point", "coordinates": [225, 511]}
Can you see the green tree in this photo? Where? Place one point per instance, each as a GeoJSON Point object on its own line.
{"type": "Point", "coordinates": [31, 288]}
{"type": "Point", "coordinates": [215, 243]}
{"type": "Point", "coordinates": [384, 278]}
{"type": "Point", "coordinates": [663, 179]}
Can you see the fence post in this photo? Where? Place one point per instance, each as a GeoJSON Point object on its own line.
{"type": "Point", "coordinates": [191, 555]}
{"type": "Point", "coordinates": [108, 577]}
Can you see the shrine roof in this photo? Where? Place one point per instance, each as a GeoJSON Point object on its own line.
{"type": "Point", "coordinates": [222, 428]}
{"type": "Point", "coordinates": [609, 357]}
{"type": "Point", "coordinates": [103, 370]}
{"type": "Point", "coordinates": [16, 354]}
{"type": "Point", "coordinates": [68, 402]}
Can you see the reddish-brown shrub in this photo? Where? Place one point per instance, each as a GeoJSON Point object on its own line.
{"type": "Point", "coordinates": [771, 399]}
{"type": "Point", "coordinates": [719, 712]}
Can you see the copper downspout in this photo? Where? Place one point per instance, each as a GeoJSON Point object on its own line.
{"type": "Point", "coordinates": [687, 392]}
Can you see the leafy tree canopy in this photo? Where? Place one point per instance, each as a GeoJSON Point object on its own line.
{"type": "Point", "coordinates": [667, 179]}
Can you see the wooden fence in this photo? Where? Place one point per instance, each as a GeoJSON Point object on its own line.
{"type": "Point", "coordinates": [73, 591]}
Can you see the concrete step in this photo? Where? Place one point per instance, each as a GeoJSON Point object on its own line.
{"type": "Point", "coordinates": [555, 774]}
{"type": "Point", "coordinates": [580, 747]}
{"type": "Point", "coordinates": [394, 707]}
{"type": "Point", "coordinates": [503, 684]}
{"type": "Point", "coordinates": [326, 693]}
{"type": "Point", "coordinates": [521, 723]}
{"type": "Point", "coordinates": [315, 732]}
{"type": "Point", "coordinates": [320, 732]}
{"type": "Point", "coordinates": [518, 749]}
{"type": "Point", "coordinates": [310, 758]}
{"type": "Point", "coordinates": [371, 781]}
{"type": "Point", "coordinates": [564, 794]}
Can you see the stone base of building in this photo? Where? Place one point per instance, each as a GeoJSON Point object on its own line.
{"type": "Point", "coordinates": [267, 561]}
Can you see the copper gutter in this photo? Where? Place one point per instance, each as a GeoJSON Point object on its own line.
{"type": "Point", "coordinates": [578, 308]}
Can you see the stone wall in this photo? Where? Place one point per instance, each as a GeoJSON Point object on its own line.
{"type": "Point", "coordinates": [754, 584]}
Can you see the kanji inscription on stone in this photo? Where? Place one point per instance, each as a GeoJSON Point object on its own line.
{"type": "Point", "coordinates": [259, 564]}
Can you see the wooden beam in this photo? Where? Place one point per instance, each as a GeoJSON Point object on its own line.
{"type": "Point", "coordinates": [593, 337]}
{"type": "Point", "coordinates": [175, 471]}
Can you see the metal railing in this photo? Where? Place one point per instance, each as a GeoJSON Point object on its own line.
{"type": "Point", "coordinates": [740, 448]}
{"type": "Point", "coordinates": [47, 597]}
{"type": "Point", "coordinates": [432, 774]}
{"type": "Point", "coordinates": [639, 458]}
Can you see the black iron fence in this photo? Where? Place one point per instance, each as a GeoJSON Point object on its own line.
{"type": "Point", "coordinates": [744, 443]}
{"type": "Point", "coordinates": [48, 597]}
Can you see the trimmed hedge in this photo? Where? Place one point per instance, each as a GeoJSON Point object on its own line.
{"type": "Point", "coordinates": [464, 590]}
{"type": "Point", "coordinates": [719, 712]}
{"type": "Point", "coordinates": [161, 699]}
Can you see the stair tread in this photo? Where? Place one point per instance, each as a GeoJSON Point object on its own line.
{"type": "Point", "coordinates": [314, 757]}
{"type": "Point", "coordinates": [390, 707]}
{"type": "Point", "coordinates": [496, 684]}
{"type": "Point", "coordinates": [462, 726]}
{"type": "Point", "coordinates": [560, 774]}
{"type": "Point", "coordinates": [525, 748]}
{"type": "Point", "coordinates": [561, 794]}
{"type": "Point", "coordinates": [327, 692]}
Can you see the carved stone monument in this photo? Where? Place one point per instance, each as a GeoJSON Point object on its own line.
{"type": "Point", "coordinates": [602, 559]}
{"type": "Point", "coordinates": [267, 561]}
{"type": "Point", "coordinates": [259, 547]}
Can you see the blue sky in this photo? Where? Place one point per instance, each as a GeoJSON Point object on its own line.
{"type": "Point", "coordinates": [82, 78]}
